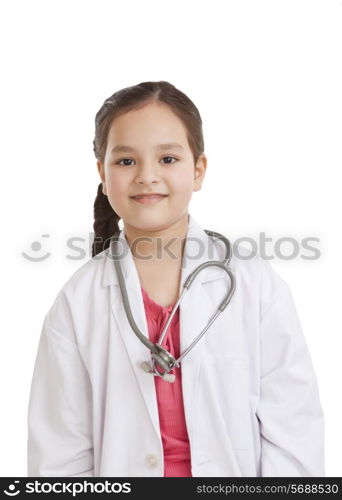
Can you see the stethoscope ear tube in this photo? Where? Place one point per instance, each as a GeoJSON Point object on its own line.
{"type": "Point", "coordinates": [125, 299]}
{"type": "Point", "coordinates": [223, 266]}
{"type": "Point", "coordinates": [158, 353]}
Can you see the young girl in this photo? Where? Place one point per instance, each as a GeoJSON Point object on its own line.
{"type": "Point", "coordinates": [244, 401]}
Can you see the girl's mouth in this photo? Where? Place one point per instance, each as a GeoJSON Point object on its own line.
{"type": "Point", "coordinates": [149, 199]}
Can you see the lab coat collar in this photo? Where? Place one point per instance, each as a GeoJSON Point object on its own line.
{"type": "Point", "coordinates": [198, 248]}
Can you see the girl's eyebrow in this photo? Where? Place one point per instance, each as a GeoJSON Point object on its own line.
{"type": "Point", "coordinates": [120, 148]}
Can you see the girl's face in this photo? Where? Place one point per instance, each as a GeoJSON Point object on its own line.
{"type": "Point", "coordinates": [141, 159]}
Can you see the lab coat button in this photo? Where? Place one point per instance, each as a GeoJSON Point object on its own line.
{"type": "Point", "coordinates": [152, 460]}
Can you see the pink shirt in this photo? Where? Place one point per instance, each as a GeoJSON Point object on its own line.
{"type": "Point", "coordinates": [177, 460]}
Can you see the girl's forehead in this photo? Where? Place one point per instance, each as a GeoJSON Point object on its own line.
{"type": "Point", "coordinates": [151, 114]}
{"type": "Point", "coordinates": [155, 126]}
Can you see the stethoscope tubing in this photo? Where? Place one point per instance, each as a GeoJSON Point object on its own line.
{"type": "Point", "coordinates": [159, 353]}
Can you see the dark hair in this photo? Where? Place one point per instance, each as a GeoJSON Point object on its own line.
{"type": "Point", "coordinates": [106, 220]}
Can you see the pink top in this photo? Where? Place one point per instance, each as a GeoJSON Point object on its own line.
{"type": "Point", "coordinates": [177, 460]}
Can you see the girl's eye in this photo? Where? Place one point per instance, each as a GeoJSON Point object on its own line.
{"type": "Point", "coordinates": [129, 159]}
{"type": "Point", "coordinates": [124, 159]}
{"type": "Point", "coordinates": [172, 157]}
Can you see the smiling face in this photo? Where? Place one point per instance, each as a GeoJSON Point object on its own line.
{"type": "Point", "coordinates": [141, 159]}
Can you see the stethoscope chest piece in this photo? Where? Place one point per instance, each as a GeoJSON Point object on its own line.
{"type": "Point", "coordinates": [165, 360]}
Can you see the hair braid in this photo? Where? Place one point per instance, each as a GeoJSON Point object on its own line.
{"type": "Point", "coordinates": [106, 222]}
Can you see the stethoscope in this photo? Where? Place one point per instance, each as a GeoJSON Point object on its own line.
{"type": "Point", "coordinates": [158, 353]}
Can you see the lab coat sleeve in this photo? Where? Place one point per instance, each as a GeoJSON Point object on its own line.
{"type": "Point", "coordinates": [59, 415]}
{"type": "Point", "coordinates": [289, 409]}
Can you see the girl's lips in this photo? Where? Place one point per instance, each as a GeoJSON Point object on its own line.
{"type": "Point", "coordinates": [149, 199]}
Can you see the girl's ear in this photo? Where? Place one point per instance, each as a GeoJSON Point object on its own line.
{"type": "Point", "coordinates": [200, 169]}
{"type": "Point", "coordinates": [102, 175]}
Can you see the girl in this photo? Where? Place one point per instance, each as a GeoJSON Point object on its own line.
{"type": "Point", "coordinates": [244, 401]}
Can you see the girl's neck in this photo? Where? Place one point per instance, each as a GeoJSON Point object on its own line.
{"type": "Point", "coordinates": [162, 245]}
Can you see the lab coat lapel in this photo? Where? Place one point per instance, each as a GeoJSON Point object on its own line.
{"type": "Point", "coordinates": [196, 309]}
{"type": "Point", "coordinates": [195, 312]}
{"type": "Point", "coordinates": [137, 352]}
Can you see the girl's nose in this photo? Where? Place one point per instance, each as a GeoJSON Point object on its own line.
{"type": "Point", "coordinates": [147, 173]}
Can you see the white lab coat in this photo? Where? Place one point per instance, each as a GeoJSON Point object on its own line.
{"type": "Point", "coordinates": [250, 394]}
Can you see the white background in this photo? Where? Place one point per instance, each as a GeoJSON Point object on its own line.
{"type": "Point", "coordinates": [266, 78]}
